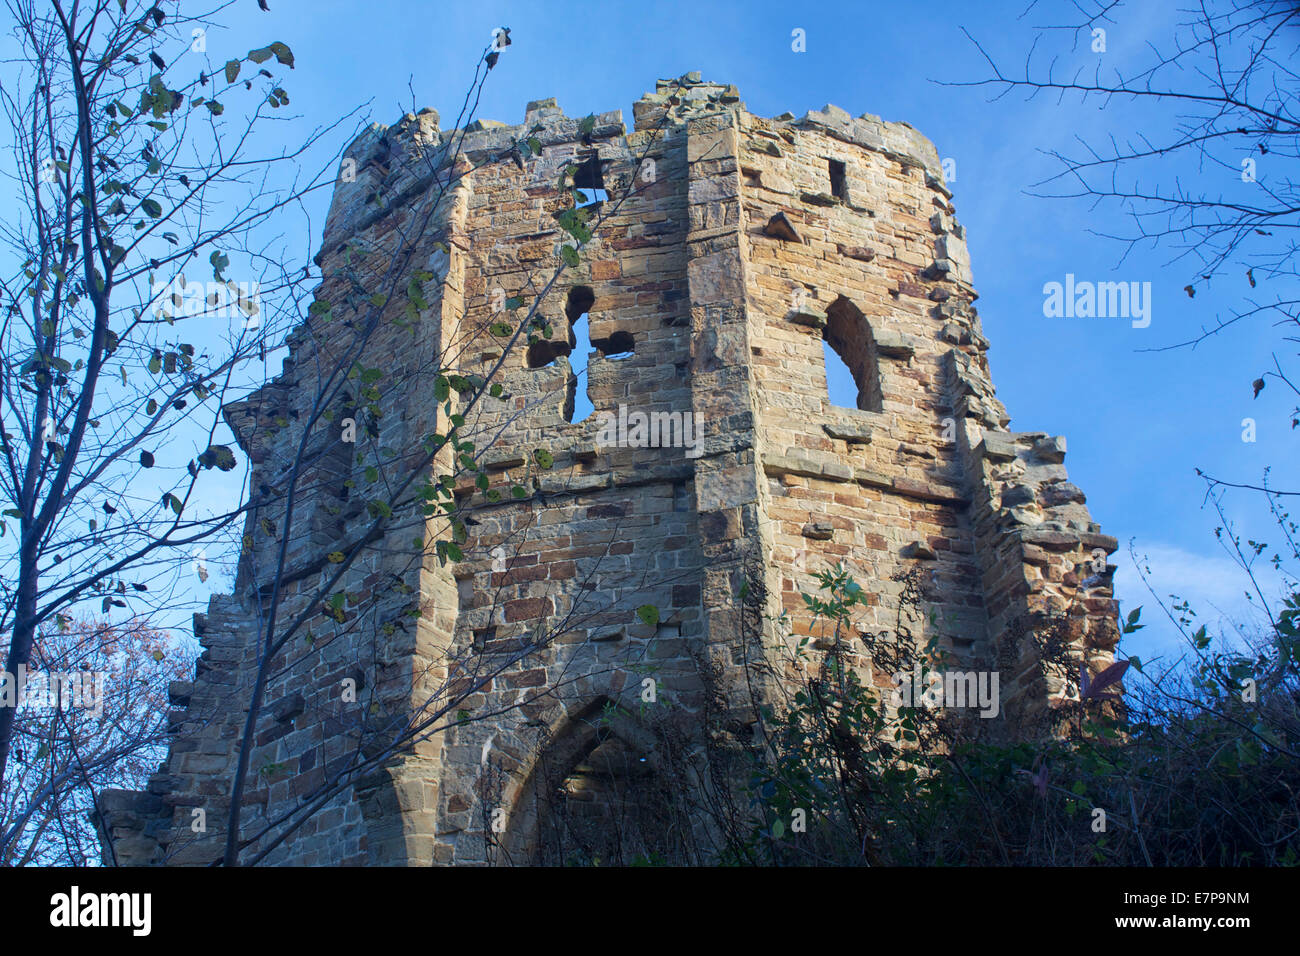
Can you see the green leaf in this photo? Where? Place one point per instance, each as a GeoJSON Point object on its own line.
{"type": "Point", "coordinates": [260, 56]}
{"type": "Point", "coordinates": [778, 829]}
{"type": "Point", "coordinates": [152, 208]}
{"type": "Point", "coordinates": [219, 457]}
{"type": "Point", "coordinates": [543, 458]}
{"type": "Point", "coordinates": [219, 261]}
{"type": "Point", "coordinates": [232, 71]}
{"type": "Point", "coordinates": [282, 53]}
{"type": "Point", "coordinates": [570, 256]}
{"type": "Point", "coordinates": [649, 615]}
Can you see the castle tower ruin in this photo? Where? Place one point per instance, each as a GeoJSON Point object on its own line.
{"type": "Point", "coordinates": [732, 251]}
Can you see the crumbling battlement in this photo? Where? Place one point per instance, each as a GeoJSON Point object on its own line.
{"type": "Point", "coordinates": [732, 250]}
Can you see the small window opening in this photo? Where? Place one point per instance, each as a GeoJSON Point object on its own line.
{"type": "Point", "coordinates": [617, 346]}
{"type": "Point", "coordinates": [544, 352]}
{"type": "Point", "coordinates": [577, 403]}
{"type": "Point", "coordinates": [852, 372]}
{"type": "Point", "coordinates": [839, 180]}
{"type": "Point", "coordinates": [590, 183]}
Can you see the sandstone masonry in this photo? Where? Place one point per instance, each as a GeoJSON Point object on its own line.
{"type": "Point", "coordinates": [709, 290]}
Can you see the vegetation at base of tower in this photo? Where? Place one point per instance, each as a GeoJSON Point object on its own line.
{"type": "Point", "coordinates": [1198, 768]}
{"type": "Point", "coordinates": [1187, 774]}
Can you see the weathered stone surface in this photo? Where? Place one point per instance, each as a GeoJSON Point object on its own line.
{"type": "Point", "coordinates": [855, 433]}
{"type": "Point", "coordinates": [999, 448]}
{"type": "Point", "coordinates": [688, 290]}
{"type": "Point", "coordinates": [1062, 492]}
{"type": "Point", "coordinates": [894, 344]}
{"type": "Point", "coordinates": [779, 227]}
{"type": "Point", "coordinates": [289, 707]}
{"type": "Point", "coordinates": [861, 253]}
{"type": "Point", "coordinates": [807, 315]}
{"type": "Point", "coordinates": [920, 551]}
{"type": "Point", "coordinates": [819, 199]}
{"type": "Point", "coordinates": [1050, 449]}
{"type": "Point", "coordinates": [1050, 539]}
{"type": "Point", "coordinates": [1017, 495]}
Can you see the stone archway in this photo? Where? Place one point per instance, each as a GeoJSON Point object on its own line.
{"type": "Point", "coordinates": [597, 793]}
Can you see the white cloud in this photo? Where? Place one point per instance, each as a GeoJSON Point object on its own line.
{"type": "Point", "coordinates": [1213, 584]}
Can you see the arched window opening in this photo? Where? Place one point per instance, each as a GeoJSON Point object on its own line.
{"type": "Point", "coordinates": [852, 372]}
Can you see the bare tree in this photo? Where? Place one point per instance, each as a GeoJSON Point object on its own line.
{"type": "Point", "coordinates": [94, 716]}
{"type": "Point", "coordinates": [1223, 95]}
{"type": "Point", "coordinates": [132, 172]}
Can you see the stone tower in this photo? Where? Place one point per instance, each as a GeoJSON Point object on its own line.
{"type": "Point", "coordinates": [732, 248]}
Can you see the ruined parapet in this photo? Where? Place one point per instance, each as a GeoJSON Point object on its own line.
{"type": "Point", "coordinates": [732, 250]}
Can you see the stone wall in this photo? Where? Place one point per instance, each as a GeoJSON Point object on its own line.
{"type": "Point", "coordinates": [731, 248]}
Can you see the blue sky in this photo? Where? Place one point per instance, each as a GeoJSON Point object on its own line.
{"type": "Point", "coordinates": [1138, 423]}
